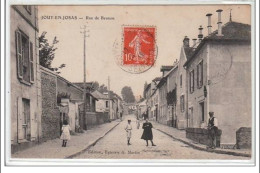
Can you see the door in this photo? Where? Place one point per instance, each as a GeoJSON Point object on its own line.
{"type": "Point", "coordinates": [190, 117]}
{"type": "Point", "coordinates": [26, 120]}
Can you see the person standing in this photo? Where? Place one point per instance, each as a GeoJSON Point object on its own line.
{"type": "Point", "coordinates": [128, 129]}
{"type": "Point", "coordinates": [212, 130]}
{"type": "Point", "coordinates": [137, 123]}
{"type": "Point", "coordinates": [147, 133]}
{"type": "Point", "coordinates": [65, 135]}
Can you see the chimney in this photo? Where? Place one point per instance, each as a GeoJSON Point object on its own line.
{"type": "Point", "coordinates": [219, 22]}
{"type": "Point", "coordinates": [186, 42]}
{"type": "Point", "coordinates": [194, 42]}
{"type": "Point", "coordinates": [209, 23]}
{"type": "Point", "coordinates": [200, 36]}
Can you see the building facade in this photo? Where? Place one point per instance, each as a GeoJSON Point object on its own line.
{"type": "Point", "coordinates": [219, 80]}
{"type": "Point", "coordinates": [25, 93]}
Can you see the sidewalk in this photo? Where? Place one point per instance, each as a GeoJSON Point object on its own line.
{"type": "Point", "coordinates": [77, 144]}
{"type": "Point", "coordinates": [180, 135]}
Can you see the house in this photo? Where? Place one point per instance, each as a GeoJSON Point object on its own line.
{"type": "Point", "coordinates": [25, 95]}
{"type": "Point", "coordinates": [183, 120]}
{"type": "Point", "coordinates": [102, 105]}
{"type": "Point", "coordinates": [219, 79]}
{"type": "Point", "coordinates": [162, 90]}
{"type": "Point", "coordinates": [154, 99]}
{"type": "Point", "coordinates": [171, 96]}
{"type": "Point", "coordinates": [141, 109]}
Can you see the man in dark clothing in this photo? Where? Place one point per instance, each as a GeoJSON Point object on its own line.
{"type": "Point", "coordinates": [213, 129]}
{"type": "Point", "coordinates": [147, 133]}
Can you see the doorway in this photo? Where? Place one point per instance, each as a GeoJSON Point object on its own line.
{"type": "Point", "coordinates": [190, 117]}
{"type": "Point", "coordinates": [26, 120]}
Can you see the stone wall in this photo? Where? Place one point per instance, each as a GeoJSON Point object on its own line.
{"type": "Point", "coordinates": [50, 111]}
{"type": "Point", "coordinates": [243, 138]}
{"type": "Point", "coordinates": [201, 135]}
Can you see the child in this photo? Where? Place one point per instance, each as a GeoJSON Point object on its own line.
{"type": "Point", "coordinates": [65, 136]}
{"type": "Point", "coordinates": [128, 129]}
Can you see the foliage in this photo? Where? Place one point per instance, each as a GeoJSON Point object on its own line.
{"type": "Point", "coordinates": [47, 52]}
{"type": "Point", "coordinates": [95, 85]}
{"type": "Point", "coordinates": [127, 94]}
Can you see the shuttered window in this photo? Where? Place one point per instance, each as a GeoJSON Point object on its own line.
{"type": "Point", "coordinates": [182, 103]}
{"type": "Point", "coordinates": [192, 81]}
{"type": "Point", "coordinates": [24, 58]}
{"type": "Point", "coordinates": [31, 64]}
{"type": "Point", "coordinates": [19, 56]}
{"type": "Point", "coordinates": [200, 74]}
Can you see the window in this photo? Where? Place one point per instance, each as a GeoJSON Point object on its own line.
{"type": "Point", "coordinates": [182, 103]}
{"type": "Point", "coordinates": [200, 74]}
{"type": "Point", "coordinates": [28, 8]}
{"type": "Point", "coordinates": [181, 81]}
{"type": "Point", "coordinates": [202, 111]}
{"type": "Point", "coordinates": [192, 81]}
{"type": "Point", "coordinates": [106, 104]}
{"type": "Point", "coordinates": [24, 54]}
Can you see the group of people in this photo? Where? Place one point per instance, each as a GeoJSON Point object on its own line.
{"type": "Point", "coordinates": [147, 133]}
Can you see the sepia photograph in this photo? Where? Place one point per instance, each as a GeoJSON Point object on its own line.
{"type": "Point", "coordinates": [132, 83]}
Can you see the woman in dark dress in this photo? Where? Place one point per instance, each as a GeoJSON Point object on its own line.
{"type": "Point", "coordinates": [148, 134]}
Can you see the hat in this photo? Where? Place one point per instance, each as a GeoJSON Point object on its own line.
{"type": "Point", "coordinates": [129, 120]}
{"type": "Point", "coordinates": [211, 113]}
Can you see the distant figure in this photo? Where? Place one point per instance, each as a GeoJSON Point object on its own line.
{"type": "Point", "coordinates": [213, 129]}
{"type": "Point", "coordinates": [121, 115]}
{"type": "Point", "coordinates": [128, 130]}
{"type": "Point", "coordinates": [147, 134]}
{"type": "Point", "coordinates": [137, 123]}
{"type": "Point", "coordinates": [65, 135]}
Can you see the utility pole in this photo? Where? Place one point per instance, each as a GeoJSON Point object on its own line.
{"type": "Point", "coordinates": [84, 72]}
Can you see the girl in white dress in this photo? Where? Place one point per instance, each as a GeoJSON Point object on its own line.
{"type": "Point", "coordinates": [128, 129]}
{"type": "Point", "coordinates": [65, 136]}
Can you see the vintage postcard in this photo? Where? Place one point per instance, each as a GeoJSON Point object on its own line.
{"type": "Point", "coordinates": [138, 82]}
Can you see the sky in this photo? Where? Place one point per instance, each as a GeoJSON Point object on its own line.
{"type": "Point", "coordinates": [172, 24]}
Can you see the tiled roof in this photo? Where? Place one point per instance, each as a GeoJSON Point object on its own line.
{"type": "Point", "coordinates": [99, 95]}
{"type": "Point", "coordinates": [232, 31]}
{"type": "Point", "coordinates": [81, 84]}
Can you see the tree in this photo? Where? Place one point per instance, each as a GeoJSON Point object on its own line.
{"type": "Point", "coordinates": [95, 85]}
{"type": "Point", "coordinates": [47, 53]}
{"type": "Point", "coordinates": [127, 94]}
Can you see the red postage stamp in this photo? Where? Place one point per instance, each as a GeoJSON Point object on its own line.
{"type": "Point", "coordinates": [139, 45]}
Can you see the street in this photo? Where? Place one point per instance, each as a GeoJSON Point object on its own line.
{"type": "Point", "coordinates": [114, 146]}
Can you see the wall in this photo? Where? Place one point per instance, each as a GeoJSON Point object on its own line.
{"type": "Point", "coordinates": [72, 116]}
{"type": "Point", "coordinates": [18, 89]}
{"type": "Point", "coordinates": [50, 111]}
{"type": "Point", "coordinates": [230, 87]}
